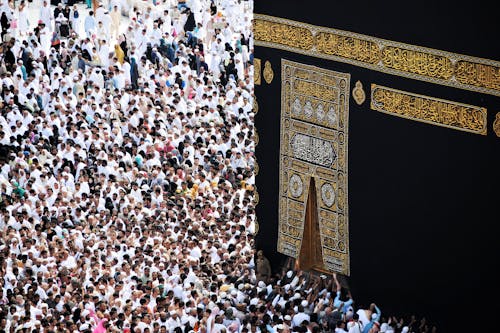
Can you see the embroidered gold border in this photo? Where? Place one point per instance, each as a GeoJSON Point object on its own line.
{"type": "Point", "coordinates": [414, 62]}
{"type": "Point", "coordinates": [256, 197]}
{"type": "Point", "coordinates": [322, 115]}
{"type": "Point", "coordinates": [435, 111]}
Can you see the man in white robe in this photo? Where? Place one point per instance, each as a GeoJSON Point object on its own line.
{"type": "Point", "coordinates": [46, 15]}
{"type": "Point", "coordinates": [115, 21]}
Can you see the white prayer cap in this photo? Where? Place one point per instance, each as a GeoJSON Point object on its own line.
{"type": "Point", "coordinates": [289, 274]}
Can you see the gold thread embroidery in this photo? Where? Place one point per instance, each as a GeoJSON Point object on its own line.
{"type": "Point", "coordinates": [478, 74]}
{"type": "Point", "coordinates": [358, 94]}
{"type": "Point", "coordinates": [256, 168]}
{"type": "Point", "coordinates": [276, 32]}
{"type": "Point", "coordinates": [429, 110]}
{"type": "Point", "coordinates": [347, 47]}
{"type": "Point", "coordinates": [496, 124]}
{"type": "Point", "coordinates": [268, 72]}
{"type": "Point", "coordinates": [415, 62]}
{"type": "Point", "coordinates": [314, 123]}
{"type": "Point", "coordinates": [256, 71]}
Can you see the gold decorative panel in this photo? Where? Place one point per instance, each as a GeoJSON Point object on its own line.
{"type": "Point", "coordinates": [314, 132]}
{"type": "Point", "coordinates": [256, 71]}
{"type": "Point", "coordinates": [415, 62]}
{"type": "Point", "coordinates": [429, 110]}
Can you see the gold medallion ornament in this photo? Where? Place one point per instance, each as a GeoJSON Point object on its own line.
{"type": "Point", "coordinates": [256, 168]}
{"type": "Point", "coordinates": [358, 93]}
{"type": "Point", "coordinates": [268, 72]}
{"type": "Point", "coordinates": [296, 186]}
{"type": "Point", "coordinates": [256, 71]}
{"type": "Point", "coordinates": [256, 197]}
{"type": "Point", "coordinates": [255, 106]}
{"type": "Point", "coordinates": [496, 124]}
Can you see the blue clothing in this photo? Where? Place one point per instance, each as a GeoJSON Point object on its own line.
{"type": "Point", "coordinates": [337, 302]}
{"type": "Point", "coordinates": [89, 23]}
{"type": "Point", "coordinates": [39, 101]}
{"type": "Point", "coordinates": [25, 74]}
{"type": "Point", "coordinates": [81, 64]}
{"type": "Point", "coordinates": [373, 320]}
{"type": "Point", "coordinates": [89, 119]}
{"type": "Point", "coordinates": [134, 73]}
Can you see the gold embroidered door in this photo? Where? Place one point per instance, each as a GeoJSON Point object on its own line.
{"type": "Point", "coordinates": [313, 208]}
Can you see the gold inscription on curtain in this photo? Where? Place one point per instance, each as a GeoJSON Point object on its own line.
{"type": "Point", "coordinates": [415, 62]}
{"type": "Point", "coordinates": [347, 47]}
{"type": "Point", "coordinates": [478, 74]}
{"type": "Point", "coordinates": [314, 124]}
{"type": "Point", "coordinates": [430, 110]}
{"type": "Point", "coordinates": [395, 58]}
{"type": "Point", "coordinates": [286, 34]}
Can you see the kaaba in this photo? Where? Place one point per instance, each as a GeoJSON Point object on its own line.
{"type": "Point", "coordinates": [378, 146]}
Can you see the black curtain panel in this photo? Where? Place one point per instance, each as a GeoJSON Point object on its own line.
{"type": "Point", "coordinates": [423, 199]}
